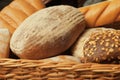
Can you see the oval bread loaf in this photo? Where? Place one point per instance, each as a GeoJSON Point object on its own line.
{"type": "Point", "coordinates": [47, 32]}
{"type": "Point", "coordinates": [4, 42]}
{"type": "Point", "coordinates": [98, 45]}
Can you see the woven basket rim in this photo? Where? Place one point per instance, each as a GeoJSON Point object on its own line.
{"type": "Point", "coordinates": [45, 70]}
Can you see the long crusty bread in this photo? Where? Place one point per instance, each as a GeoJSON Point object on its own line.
{"type": "Point", "coordinates": [103, 13]}
{"type": "Point", "coordinates": [17, 11]}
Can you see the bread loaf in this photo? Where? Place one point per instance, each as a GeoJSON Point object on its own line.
{"type": "Point", "coordinates": [4, 43]}
{"type": "Point", "coordinates": [98, 45]}
{"type": "Point", "coordinates": [17, 11]}
{"type": "Point", "coordinates": [6, 24]}
{"type": "Point", "coordinates": [47, 32]}
{"type": "Point", "coordinates": [102, 13]}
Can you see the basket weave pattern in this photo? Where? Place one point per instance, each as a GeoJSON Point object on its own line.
{"type": "Point", "coordinates": [11, 69]}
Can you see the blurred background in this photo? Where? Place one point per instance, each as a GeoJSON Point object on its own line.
{"type": "Point", "coordinates": [75, 3]}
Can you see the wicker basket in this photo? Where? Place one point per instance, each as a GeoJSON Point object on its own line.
{"type": "Point", "coordinates": [20, 69]}
{"type": "Point", "coordinates": [11, 69]}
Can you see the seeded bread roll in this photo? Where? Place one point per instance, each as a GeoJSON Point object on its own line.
{"type": "Point", "coordinates": [97, 45]}
{"type": "Point", "coordinates": [17, 11]}
{"type": "Point", "coordinates": [48, 32]}
{"type": "Point", "coordinates": [4, 42]}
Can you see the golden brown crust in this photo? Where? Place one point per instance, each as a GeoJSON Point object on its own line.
{"type": "Point", "coordinates": [5, 24]}
{"type": "Point", "coordinates": [9, 20]}
{"type": "Point", "coordinates": [15, 14]}
{"type": "Point", "coordinates": [102, 13]}
{"type": "Point", "coordinates": [38, 4]}
{"type": "Point", "coordinates": [17, 11]}
{"type": "Point", "coordinates": [27, 8]}
{"type": "Point", "coordinates": [4, 42]}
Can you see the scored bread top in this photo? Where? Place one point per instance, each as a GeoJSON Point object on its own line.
{"type": "Point", "coordinates": [48, 32]}
{"type": "Point", "coordinates": [102, 13]}
{"type": "Point", "coordinates": [17, 11]}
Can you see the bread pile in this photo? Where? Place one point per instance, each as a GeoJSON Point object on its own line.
{"type": "Point", "coordinates": [17, 11]}
{"type": "Point", "coordinates": [83, 32]}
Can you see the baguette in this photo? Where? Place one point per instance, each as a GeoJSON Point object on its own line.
{"type": "Point", "coordinates": [17, 11]}
{"type": "Point", "coordinates": [6, 24]}
{"type": "Point", "coordinates": [15, 14]}
{"type": "Point", "coordinates": [102, 13]}
{"type": "Point", "coordinates": [26, 7]}
{"type": "Point", "coordinates": [38, 4]}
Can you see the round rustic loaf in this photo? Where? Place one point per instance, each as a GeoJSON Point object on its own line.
{"type": "Point", "coordinates": [98, 45]}
{"type": "Point", "coordinates": [48, 32]}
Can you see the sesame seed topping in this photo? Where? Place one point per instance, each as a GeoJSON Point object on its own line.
{"type": "Point", "coordinates": [107, 40]}
{"type": "Point", "coordinates": [107, 44]}
{"type": "Point", "coordinates": [92, 42]}
{"type": "Point", "coordinates": [112, 45]}
{"type": "Point", "coordinates": [103, 48]}
{"type": "Point", "coordinates": [111, 50]}
{"type": "Point", "coordinates": [116, 46]}
{"type": "Point", "coordinates": [103, 43]}
{"type": "Point", "coordinates": [97, 38]}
